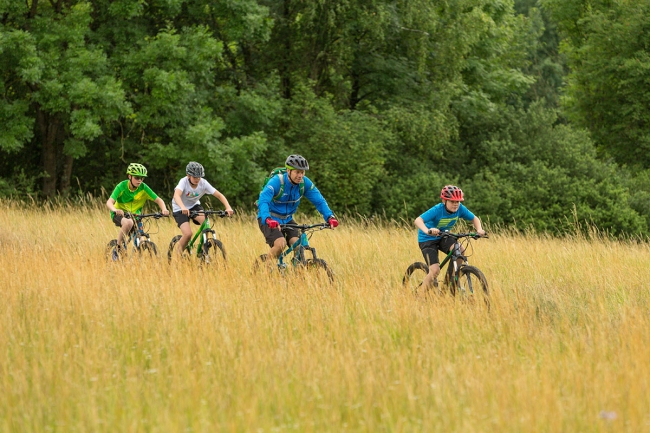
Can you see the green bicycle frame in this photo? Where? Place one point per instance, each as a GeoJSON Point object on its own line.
{"type": "Point", "coordinates": [201, 234]}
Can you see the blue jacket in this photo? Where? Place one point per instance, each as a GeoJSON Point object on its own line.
{"type": "Point", "coordinates": [284, 207]}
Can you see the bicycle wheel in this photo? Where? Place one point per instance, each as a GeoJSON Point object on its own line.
{"type": "Point", "coordinates": [260, 265]}
{"type": "Point", "coordinates": [172, 246]}
{"type": "Point", "coordinates": [113, 253]}
{"type": "Point", "coordinates": [472, 286]}
{"type": "Point", "coordinates": [414, 277]}
{"type": "Point", "coordinates": [320, 266]}
{"type": "Point", "coordinates": [213, 252]}
{"type": "Point", "coordinates": [148, 248]}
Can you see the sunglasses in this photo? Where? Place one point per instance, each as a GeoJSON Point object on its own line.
{"type": "Point", "coordinates": [137, 177]}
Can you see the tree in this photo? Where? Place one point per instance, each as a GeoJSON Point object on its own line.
{"type": "Point", "coordinates": [53, 78]}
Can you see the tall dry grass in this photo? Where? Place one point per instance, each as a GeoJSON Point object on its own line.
{"type": "Point", "coordinates": [87, 345]}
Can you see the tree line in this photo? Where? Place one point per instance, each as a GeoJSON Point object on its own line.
{"type": "Point", "coordinates": [538, 109]}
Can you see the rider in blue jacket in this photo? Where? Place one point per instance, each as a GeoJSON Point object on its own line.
{"type": "Point", "coordinates": [279, 200]}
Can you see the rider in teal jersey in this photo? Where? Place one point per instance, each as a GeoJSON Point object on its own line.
{"type": "Point", "coordinates": [442, 217]}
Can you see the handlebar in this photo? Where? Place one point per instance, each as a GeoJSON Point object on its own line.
{"type": "Point", "coordinates": [305, 227]}
{"type": "Point", "coordinates": [219, 213]}
{"type": "Point", "coordinates": [472, 235]}
{"type": "Point", "coordinates": [156, 215]}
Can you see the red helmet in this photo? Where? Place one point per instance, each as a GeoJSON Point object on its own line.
{"type": "Point", "coordinates": [451, 192]}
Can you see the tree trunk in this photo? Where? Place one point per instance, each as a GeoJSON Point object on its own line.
{"type": "Point", "coordinates": [285, 67]}
{"type": "Point", "coordinates": [48, 126]}
{"type": "Point", "coordinates": [66, 175]}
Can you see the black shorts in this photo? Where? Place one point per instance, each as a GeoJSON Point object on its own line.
{"type": "Point", "coordinates": [182, 219]}
{"type": "Point", "coordinates": [430, 249]}
{"type": "Point", "coordinates": [272, 234]}
{"type": "Point", "coordinates": [117, 220]}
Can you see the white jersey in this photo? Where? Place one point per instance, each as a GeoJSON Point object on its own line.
{"type": "Point", "coordinates": [191, 196]}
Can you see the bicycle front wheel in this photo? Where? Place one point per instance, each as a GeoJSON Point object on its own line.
{"type": "Point", "coordinates": [213, 252]}
{"type": "Point", "coordinates": [148, 249]}
{"type": "Point", "coordinates": [320, 266]}
{"type": "Point", "coordinates": [113, 252]}
{"type": "Point", "coordinates": [172, 247]}
{"type": "Point", "coordinates": [472, 286]}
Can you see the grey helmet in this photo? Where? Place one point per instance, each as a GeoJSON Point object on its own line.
{"type": "Point", "coordinates": [195, 169]}
{"type": "Point", "coordinates": [296, 162]}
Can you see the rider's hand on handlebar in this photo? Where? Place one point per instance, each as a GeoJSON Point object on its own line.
{"type": "Point", "coordinates": [119, 212]}
{"type": "Point", "coordinates": [165, 212]}
{"type": "Point", "coordinates": [333, 222]}
{"type": "Point", "coordinates": [273, 224]}
{"type": "Point", "coordinates": [230, 211]}
{"type": "Point", "coordinates": [185, 211]}
{"type": "Point", "coordinates": [434, 231]}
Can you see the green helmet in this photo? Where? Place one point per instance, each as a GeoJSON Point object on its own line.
{"type": "Point", "coordinates": [135, 169]}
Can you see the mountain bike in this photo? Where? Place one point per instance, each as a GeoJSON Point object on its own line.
{"type": "Point", "coordinates": [138, 236]}
{"type": "Point", "coordinates": [299, 249]}
{"type": "Point", "coordinates": [209, 249]}
{"type": "Point", "coordinates": [464, 281]}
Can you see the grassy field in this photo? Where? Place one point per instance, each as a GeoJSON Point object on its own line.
{"type": "Point", "coordinates": [87, 345]}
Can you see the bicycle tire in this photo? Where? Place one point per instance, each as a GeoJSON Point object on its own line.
{"type": "Point", "coordinates": [260, 264]}
{"type": "Point", "coordinates": [414, 277]}
{"type": "Point", "coordinates": [213, 252]}
{"type": "Point", "coordinates": [472, 286]}
{"type": "Point", "coordinates": [148, 247]}
{"type": "Point", "coordinates": [112, 254]}
{"type": "Point", "coordinates": [312, 264]}
{"type": "Point", "coordinates": [172, 246]}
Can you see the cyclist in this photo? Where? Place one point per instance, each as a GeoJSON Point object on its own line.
{"type": "Point", "coordinates": [130, 195]}
{"type": "Point", "coordinates": [187, 196]}
{"type": "Point", "coordinates": [279, 200]}
{"type": "Point", "coordinates": [442, 217]}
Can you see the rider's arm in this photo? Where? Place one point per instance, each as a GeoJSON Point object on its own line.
{"type": "Point", "coordinates": [178, 200]}
{"type": "Point", "coordinates": [161, 205]}
{"type": "Point", "coordinates": [477, 225]}
{"type": "Point", "coordinates": [419, 223]}
{"type": "Point", "coordinates": [110, 204]}
{"type": "Point", "coordinates": [314, 195]}
{"type": "Point", "coordinates": [222, 198]}
{"type": "Point", "coordinates": [266, 196]}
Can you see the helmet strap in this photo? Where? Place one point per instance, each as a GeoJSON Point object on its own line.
{"type": "Point", "coordinates": [131, 186]}
{"type": "Point", "coordinates": [189, 179]}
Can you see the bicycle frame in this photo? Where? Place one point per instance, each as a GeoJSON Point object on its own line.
{"type": "Point", "coordinates": [203, 232]}
{"type": "Point", "coordinates": [456, 253]}
{"type": "Point", "coordinates": [137, 235]}
{"type": "Point", "coordinates": [299, 247]}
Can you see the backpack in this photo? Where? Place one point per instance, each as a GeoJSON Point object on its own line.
{"type": "Point", "coordinates": [280, 171]}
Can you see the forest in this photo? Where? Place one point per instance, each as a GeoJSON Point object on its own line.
{"type": "Point", "coordinates": [538, 109]}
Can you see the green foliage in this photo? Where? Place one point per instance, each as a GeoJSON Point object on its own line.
{"type": "Point", "coordinates": [388, 101]}
{"type": "Point", "coordinates": [609, 54]}
{"type": "Point", "coordinates": [345, 149]}
{"type": "Point", "coordinates": [539, 174]}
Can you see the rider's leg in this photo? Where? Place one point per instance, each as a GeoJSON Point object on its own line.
{"type": "Point", "coordinates": [430, 280]}
{"type": "Point", "coordinates": [126, 224]}
{"type": "Point", "coordinates": [186, 235]}
{"type": "Point", "coordinates": [186, 232]}
{"type": "Point", "coordinates": [278, 245]}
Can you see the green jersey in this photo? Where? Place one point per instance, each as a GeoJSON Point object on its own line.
{"type": "Point", "coordinates": [131, 201]}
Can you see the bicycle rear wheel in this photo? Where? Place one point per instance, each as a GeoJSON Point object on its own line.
{"type": "Point", "coordinates": [320, 266]}
{"type": "Point", "coordinates": [213, 252]}
{"type": "Point", "coordinates": [414, 278]}
{"type": "Point", "coordinates": [472, 286]}
{"type": "Point", "coordinates": [148, 249]}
